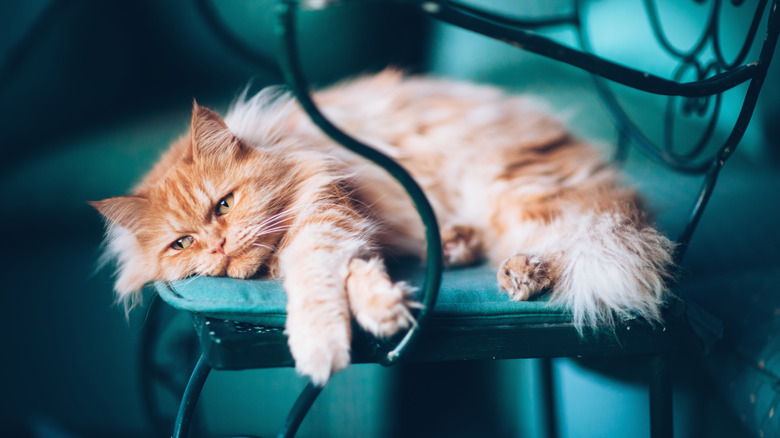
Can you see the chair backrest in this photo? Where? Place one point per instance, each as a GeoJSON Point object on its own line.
{"type": "Point", "coordinates": [703, 95]}
{"type": "Point", "coordinates": [705, 60]}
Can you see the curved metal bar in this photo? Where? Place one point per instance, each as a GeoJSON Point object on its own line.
{"type": "Point", "coordinates": [147, 371]}
{"type": "Point", "coordinates": [190, 398]}
{"type": "Point", "coordinates": [684, 238]}
{"type": "Point", "coordinates": [299, 410]}
{"type": "Point", "coordinates": [518, 22]}
{"type": "Point", "coordinates": [751, 96]}
{"type": "Point", "coordinates": [709, 130]}
{"type": "Point", "coordinates": [661, 400]}
{"type": "Point", "coordinates": [681, 162]}
{"type": "Point", "coordinates": [157, 376]}
{"type": "Point", "coordinates": [660, 35]}
{"type": "Point", "coordinates": [712, 166]}
{"type": "Point", "coordinates": [749, 38]}
{"type": "Point", "coordinates": [631, 130]}
{"type": "Point", "coordinates": [451, 12]}
{"type": "Point", "coordinates": [288, 54]}
{"type": "Point", "coordinates": [748, 106]}
{"type": "Point", "coordinates": [622, 147]}
{"type": "Point", "coordinates": [641, 141]}
{"type": "Point", "coordinates": [223, 33]}
{"type": "Point", "coordinates": [704, 139]}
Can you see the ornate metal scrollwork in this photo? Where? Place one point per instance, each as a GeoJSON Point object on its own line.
{"type": "Point", "coordinates": [701, 97]}
{"type": "Point", "coordinates": [692, 106]}
{"type": "Point", "coordinates": [691, 59]}
{"type": "Point", "coordinates": [707, 104]}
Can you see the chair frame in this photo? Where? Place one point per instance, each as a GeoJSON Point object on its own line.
{"type": "Point", "coordinates": [436, 340]}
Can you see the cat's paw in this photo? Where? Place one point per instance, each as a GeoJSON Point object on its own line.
{"type": "Point", "coordinates": [380, 306]}
{"type": "Point", "coordinates": [461, 245]}
{"type": "Point", "coordinates": [243, 267]}
{"type": "Point", "coordinates": [319, 350]}
{"type": "Point", "coordinates": [523, 276]}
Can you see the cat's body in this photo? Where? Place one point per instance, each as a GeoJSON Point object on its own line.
{"type": "Point", "coordinates": [265, 193]}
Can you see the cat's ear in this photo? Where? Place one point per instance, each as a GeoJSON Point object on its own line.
{"type": "Point", "coordinates": [210, 134]}
{"type": "Point", "coordinates": [125, 211]}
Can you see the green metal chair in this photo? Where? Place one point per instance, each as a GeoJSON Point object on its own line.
{"type": "Point", "coordinates": [239, 323]}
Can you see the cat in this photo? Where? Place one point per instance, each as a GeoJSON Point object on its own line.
{"type": "Point", "coordinates": [263, 192]}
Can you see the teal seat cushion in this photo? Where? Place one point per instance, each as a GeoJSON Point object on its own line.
{"type": "Point", "coordinates": [467, 296]}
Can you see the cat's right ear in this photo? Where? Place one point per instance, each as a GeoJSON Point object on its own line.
{"type": "Point", "coordinates": [210, 134]}
{"type": "Point", "coordinates": [125, 211]}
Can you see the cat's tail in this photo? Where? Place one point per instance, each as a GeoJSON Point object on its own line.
{"type": "Point", "coordinates": [612, 268]}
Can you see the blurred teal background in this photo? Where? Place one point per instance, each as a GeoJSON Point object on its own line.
{"type": "Point", "coordinates": [101, 88]}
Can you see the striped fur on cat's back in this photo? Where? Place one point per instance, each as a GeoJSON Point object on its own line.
{"type": "Point", "coordinates": [263, 193]}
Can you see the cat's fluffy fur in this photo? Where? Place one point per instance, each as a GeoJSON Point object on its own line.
{"type": "Point", "coordinates": [508, 183]}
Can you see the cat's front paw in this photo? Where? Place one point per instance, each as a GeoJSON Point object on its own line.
{"type": "Point", "coordinates": [380, 306]}
{"type": "Point", "coordinates": [523, 276]}
{"type": "Point", "coordinates": [319, 350]}
{"type": "Point", "coordinates": [461, 245]}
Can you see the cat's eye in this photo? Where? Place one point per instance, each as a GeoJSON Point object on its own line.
{"type": "Point", "coordinates": [224, 205]}
{"type": "Point", "coordinates": [182, 243]}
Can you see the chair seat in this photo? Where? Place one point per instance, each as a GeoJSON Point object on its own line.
{"type": "Point", "coordinates": [468, 296]}
{"type": "Point", "coordinates": [240, 323]}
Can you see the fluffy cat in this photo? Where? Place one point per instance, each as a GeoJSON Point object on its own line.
{"type": "Point", "coordinates": [264, 193]}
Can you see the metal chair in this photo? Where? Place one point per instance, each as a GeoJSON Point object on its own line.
{"type": "Point", "coordinates": [538, 330]}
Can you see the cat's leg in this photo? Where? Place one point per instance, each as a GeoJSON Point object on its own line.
{"type": "Point", "coordinates": [602, 266]}
{"type": "Point", "coordinates": [461, 245]}
{"type": "Point", "coordinates": [379, 305]}
{"type": "Point", "coordinates": [616, 267]}
{"type": "Point", "coordinates": [315, 266]}
{"type": "Point", "coordinates": [523, 276]}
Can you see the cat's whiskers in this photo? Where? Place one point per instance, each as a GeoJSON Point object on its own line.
{"type": "Point", "coordinates": [262, 245]}
{"type": "Point", "coordinates": [284, 214]}
{"type": "Point", "coordinates": [267, 231]}
{"type": "Point", "coordinates": [187, 280]}
{"type": "Point", "coordinates": [272, 223]}
{"type": "Point", "coordinates": [191, 272]}
{"type": "Point", "coordinates": [279, 222]}
{"type": "Point", "coordinates": [368, 205]}
{"type": "Point", "coordinates": [251, 237]}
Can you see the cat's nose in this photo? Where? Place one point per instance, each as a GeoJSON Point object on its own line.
{"type": "Point", "coordinates": [220, 249]}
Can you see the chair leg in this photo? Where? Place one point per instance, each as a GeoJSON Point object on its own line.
{"type": "Point", "coordinates": [661, 422]}
{"type": "Point", "coordinates": [299, 410]}
{"type": "Point", "coordinates": [548, 394]}
{"type": "Point", "coordinates": [190, 398]}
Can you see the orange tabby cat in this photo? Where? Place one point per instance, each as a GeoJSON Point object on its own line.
{"type": "Point", "coordinates": [263, 192]}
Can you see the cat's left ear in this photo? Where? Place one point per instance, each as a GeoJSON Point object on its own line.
{"type": "Point", "coordinates": [125, 211]}
{"type": "Point", "coordinates": [210, 134]}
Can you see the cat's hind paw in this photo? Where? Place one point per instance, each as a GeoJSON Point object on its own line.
{"type": "Point", "coordinates": [523, 276]}
{"type": "Point", "coordinates": [461, 245]}
{"type": "Point", "coordinates": [380, 306]}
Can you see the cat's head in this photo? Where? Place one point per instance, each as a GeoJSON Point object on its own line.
{"type": "Point", "coordinates": [212, 206]}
